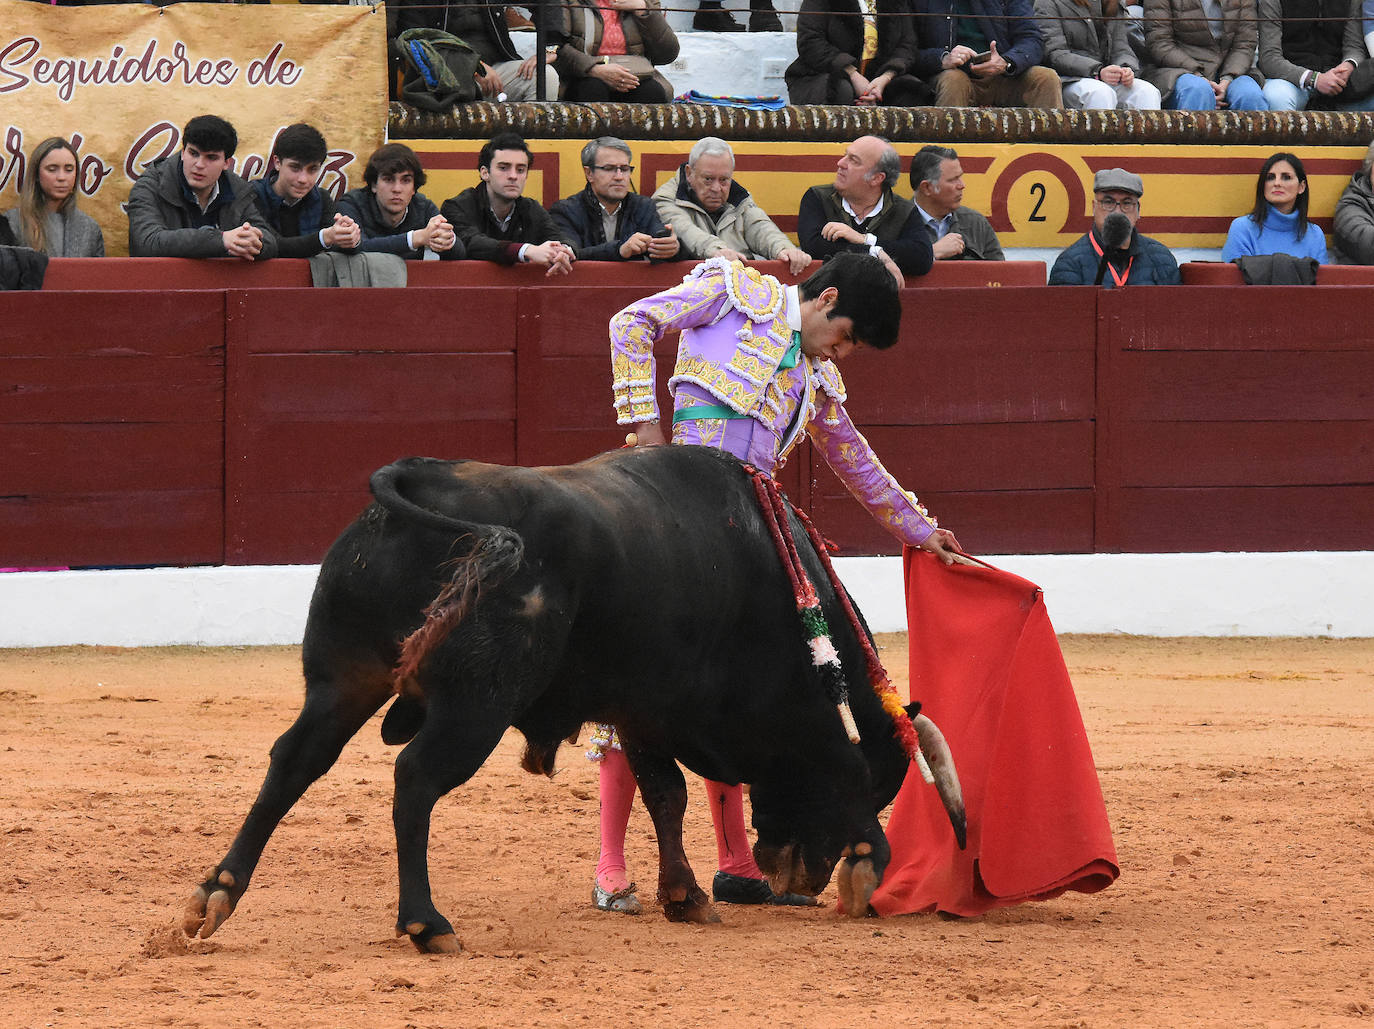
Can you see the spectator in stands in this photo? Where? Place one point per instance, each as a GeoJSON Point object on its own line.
{"type": "Point", "coordinates": [714, 216]}
{"type": "Point", "coordinates": [191, 205]}
{"type": "Point", "coordinates": [610, 51]}
{"type": "Point", "coordinates": [47, 218]}
{"type": "Point", "coordinates": [301, 214]}
{"type": "Point", "coordinates": [395, 218]}
{"type": "Point", "coordinates": [1313, 55]}
{"type": "Point", "coordinates": [983, 53]}
{"type": "Point", "coordinates": [860, 212]}
{"type": "Point", "coordinates": [1087, 42]}
{"type": "Point", "coordinates": [712, 16]}
{"type": "Point", "coordinates": [1353, 228]}
{"type": "Point", "coordinates": [609, 221]}
{"type": "Point", "coordinates": [1278, 224]}
{"type": "Point", "coordinates": [497, 222]}
{"type": "Point", "coordinates": [855, 53]}
{"type": "Point", "coordinates": [1113, 253]}
{"type": "Point", "coordinates": [957, 233]}
{"type": "Point", "coordinates": [1204, 51]}
{"type": "Point", "coordinates": [483, 25]}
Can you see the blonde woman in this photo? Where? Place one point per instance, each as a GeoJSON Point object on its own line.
{"type": "Point", "coordinates": [47, 218]}
{"type": "Point", "coordinates": [1086, 43]}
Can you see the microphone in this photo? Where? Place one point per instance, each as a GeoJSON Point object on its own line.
{"type": "Point", "coordinates": [1116, 231]}
{"type": "Point", "coordinates": [1116, 234]}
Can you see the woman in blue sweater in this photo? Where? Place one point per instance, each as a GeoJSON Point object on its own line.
{"type": "Point", "coordinates": [1278, 224]}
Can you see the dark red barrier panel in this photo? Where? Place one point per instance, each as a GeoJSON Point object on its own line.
{"type": "Point", "coordinates": [984, 410]}
{"type": "Point", "coordinates": [1235, 419]}
{"type": "Point", "coordinates": [1220, 273]}
{"type": "Point", "coordinates": [649, 278]}
{"type": "Point", "coordinates": [638, 275]}
{"type": "Point", "coordinates": [111, 428]}
{"type": "Point", "coordinates": [160, 273]}
{"type": "Point", "coordinates": [325, 386]}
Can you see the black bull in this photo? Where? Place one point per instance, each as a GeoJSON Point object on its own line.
{"type": "Point", "coordinates": [639, 588]}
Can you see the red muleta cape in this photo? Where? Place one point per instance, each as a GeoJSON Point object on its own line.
{"type": "Point", "coordinates": [986, 666]}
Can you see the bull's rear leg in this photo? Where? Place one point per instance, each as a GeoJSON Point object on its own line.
{"type": "Point", "coordinates": [664, 793]}
{"type": "Point", "coordinates": [332, 715]}
{"type": "Point", "coordinates": [447, 751]}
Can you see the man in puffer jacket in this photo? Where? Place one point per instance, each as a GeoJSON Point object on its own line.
{"type": "Point", "coordinates": [1353, 227]}
{"type": "Point", "coordinates": [1136, 260]}
{"type": "Point", "coordinates": [608, 221]}
{"type": "Point", "coordinates": [192, 205]}
{"type": "Point", "coordinates": [714, 216]}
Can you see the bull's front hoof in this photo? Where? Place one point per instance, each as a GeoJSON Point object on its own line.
{"type": "Point", "coordinates": [693, 908]}
{"type": "Point", "coordinates": [212, 903]}
{"type": "Point", "coordinates": [856, 880]}
{"type": "Point", "coordinates": [428, 940]}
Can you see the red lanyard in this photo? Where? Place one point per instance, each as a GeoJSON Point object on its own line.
{"type": "Point", "coordinates": [1120, 280]}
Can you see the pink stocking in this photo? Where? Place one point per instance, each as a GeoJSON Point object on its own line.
{"type": "Point", "coordinates": [617, 797]}
{"type": "Point", "coordinates": [732, 839]}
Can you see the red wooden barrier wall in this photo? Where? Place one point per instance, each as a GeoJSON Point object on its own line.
{"type": "Point", "coordinates": [323, 386]}
{"type": "Point", "coordinates": [239, 425]}
{"type": "Point", "coordinates": [1236, 419]}
{"type": "Point", "coordinates": [984, 409]}
{"type": "Point", "coordinates": [111, 428]}
{"type": "Point", "coordinates": [114, 273]}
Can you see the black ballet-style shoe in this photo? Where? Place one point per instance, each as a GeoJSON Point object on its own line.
{"type": "Point", "coordinates": [738, 889]}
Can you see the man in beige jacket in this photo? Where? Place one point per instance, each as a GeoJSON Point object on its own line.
{"type": "Point", "coordinates": [714, 216]}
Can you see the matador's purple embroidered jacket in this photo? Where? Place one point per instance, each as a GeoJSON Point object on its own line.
{"type": "Point", "coordinates": [737, 327]}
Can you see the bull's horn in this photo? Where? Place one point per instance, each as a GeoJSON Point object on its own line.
{"type": "Point", "coordinates": [940, 761]}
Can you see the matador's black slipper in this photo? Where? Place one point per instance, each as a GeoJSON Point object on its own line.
{"type": "Point", "coordinates": [739, 889]}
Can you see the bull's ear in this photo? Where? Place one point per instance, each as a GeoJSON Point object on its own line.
{"type": "Point", "coordinates": [913, 709]}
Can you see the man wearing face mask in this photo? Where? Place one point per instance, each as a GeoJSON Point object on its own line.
{"type": "Point", "coordinates": [1112, 253]}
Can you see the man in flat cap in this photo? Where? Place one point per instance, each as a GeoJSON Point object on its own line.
{"type": "Point", "coordinates": [1112, 253]}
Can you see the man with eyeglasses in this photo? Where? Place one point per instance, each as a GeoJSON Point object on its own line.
{"type": "Point", "coordinates": [1112, 253]}
{"type": "Point", "coordinates": [715, 216]}
{"type": "Point", "coordinates": [608, 220]}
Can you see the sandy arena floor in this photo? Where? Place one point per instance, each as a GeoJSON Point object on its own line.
{"type": "Point", "coordinates": [1239, 776]}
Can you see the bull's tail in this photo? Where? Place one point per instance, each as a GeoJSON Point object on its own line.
{"type": "Point", "coordinates": [494, 554]}
{"type": "Point", "coordinates": [495, 557]}
{"type": "Point", "coordinates": [392, 485]}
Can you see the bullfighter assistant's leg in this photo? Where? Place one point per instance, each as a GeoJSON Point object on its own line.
{"type": "Point", "coordinates": [617, 783]}
{"type": "Point", "coordinates": [740, 880]}
{"type": "Point", "coordinates": [733, 853]}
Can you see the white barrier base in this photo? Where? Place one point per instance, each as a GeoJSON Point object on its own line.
{"type": "Point", "coordinates": [1302, 594]}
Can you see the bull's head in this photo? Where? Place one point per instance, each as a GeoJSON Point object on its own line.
{"type": "Point", "coordinates": [808, 825]}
